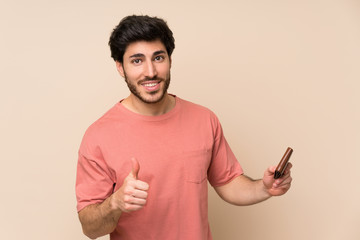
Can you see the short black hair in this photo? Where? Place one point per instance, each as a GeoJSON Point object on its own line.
{"type": "Point", "coordinates": [139, 28]}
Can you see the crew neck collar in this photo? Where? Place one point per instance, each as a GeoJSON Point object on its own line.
{"type": "Point", "coordinates": [139, 116]}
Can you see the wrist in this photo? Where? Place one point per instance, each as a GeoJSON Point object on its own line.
{"type": "Point", "coordinates": [113, 205]}
{"type": "Point", "coordinates": [264, 190]}
{"type": "Point", "coordinates": [113, 210]}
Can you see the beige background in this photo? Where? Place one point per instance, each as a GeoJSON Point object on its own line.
{"type": "Point", "coordinates": [277, 73]}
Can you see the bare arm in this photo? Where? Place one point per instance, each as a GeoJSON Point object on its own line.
{"type": "Point", "coordinates": [102, 218]}
{"type": "Point", "coordinates": [246, 191]}
{"type": "Point", "coordinates": [99, 219]}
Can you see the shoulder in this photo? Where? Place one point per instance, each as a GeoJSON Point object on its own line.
{"type": "Point", "coordinates": [104, 123]}
{"type": "Point", "coordinates": [197, 110]}
{"type": "Point", "coordinates": [191, 106]}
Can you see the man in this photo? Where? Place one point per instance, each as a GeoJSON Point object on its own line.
{"type": "Point", "coordinates": [178, 145]}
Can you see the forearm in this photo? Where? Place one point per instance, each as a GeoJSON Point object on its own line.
{"type": "Point", "coordinates": [243, 191]}
{"type": "Point", "coordinates": [99, 219]}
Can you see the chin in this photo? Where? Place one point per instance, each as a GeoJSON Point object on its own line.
{"type": "Point", "coordinates": [153, 99]}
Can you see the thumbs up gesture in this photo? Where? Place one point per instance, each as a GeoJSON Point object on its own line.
{"type": "Point", "coordinates": [132, 195]}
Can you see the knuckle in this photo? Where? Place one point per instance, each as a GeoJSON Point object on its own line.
{"type": "Point", "coordinates": [127, 207]}
{"type": "Point", "coordinates": [129, 182]}
{"type": "Point", "coordinates": [127, 198]}
{"type": "Point", "coordinates": [128, 190]}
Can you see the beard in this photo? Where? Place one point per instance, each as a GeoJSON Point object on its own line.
{"type": "Point", "coordinates": [134, 89]}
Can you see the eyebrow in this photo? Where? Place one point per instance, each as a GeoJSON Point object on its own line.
{"type": "Point", "coordinates": [136, 55]}
{"type": "Point", "coordinates": [159, 52]}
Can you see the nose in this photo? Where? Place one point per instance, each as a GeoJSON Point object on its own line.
{"type": "Point", "coordinates": [150, 70]}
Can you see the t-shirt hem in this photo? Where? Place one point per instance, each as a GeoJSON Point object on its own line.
{"type": "Point", "coordinates": [81, 206]}
{"type": "Point", "coordinates": [229, 180]}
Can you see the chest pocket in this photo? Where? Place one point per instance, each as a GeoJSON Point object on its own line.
{"type": "Point", "coordinates": [196, 164]}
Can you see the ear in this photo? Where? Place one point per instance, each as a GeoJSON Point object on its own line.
{"type": "Point", "coordinates": [120, 68]}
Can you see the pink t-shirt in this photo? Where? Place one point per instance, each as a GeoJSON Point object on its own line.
{"type": "Point", "coordinates": [177, 152]}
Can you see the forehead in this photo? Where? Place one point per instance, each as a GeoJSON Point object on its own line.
{"type": "Point", "coordinates": [144, 47]}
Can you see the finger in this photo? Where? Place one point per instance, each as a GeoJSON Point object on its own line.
{"type": "Point", "coordinates": [128, 207]}
{"type": "Point", "coordinates": [269, 172]}
{"type": "Point", "coordinates": [284, 186]}
{"type": "Point", "coordinates": [283, 177]}
{"type": "Point", "coordinates": [288, 167]}
{"type": "Point", "coordinates": [140, 194]}
{"type": "Point", "coordinates": [134, 200]}
{"type": "Point", "coordinates": [282, 182]}
{"type": "Point", "coordinates": [272, 169]}
{"type": "Point", "coordinates": [287, 172]}
{"type": "Point", "coordinates": [135, 167]}
{"type": "Point", "coordinates": [135, 185]}
{"type": "Point", "coordinates": [138, 201]}
{"type": "Point", "coordinates": [141, 185]}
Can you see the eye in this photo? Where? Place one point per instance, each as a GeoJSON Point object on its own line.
{"type": "Point", "coordinates": [159, 58]}
{"type": "Point", "coordinates": [136, 61]}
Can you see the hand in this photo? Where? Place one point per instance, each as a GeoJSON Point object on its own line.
{"type": "Point", "coordinates": [277, 187]}
{"type": "Point", "coordinates": [132, 195]}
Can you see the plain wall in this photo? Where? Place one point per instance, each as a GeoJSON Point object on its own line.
{"type": "Point", "coordinates": [277, 74]}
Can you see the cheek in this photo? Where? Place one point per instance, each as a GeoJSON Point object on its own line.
{"type": "Point", "coordinates": [133, 73]}
{"type": "Point", "coordinates": [164, 70]}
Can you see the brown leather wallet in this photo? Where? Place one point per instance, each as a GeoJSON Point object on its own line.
{"type": "Point", "coordinates": [283, 163]}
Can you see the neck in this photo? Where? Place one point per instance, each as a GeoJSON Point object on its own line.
{"type": "Point", "coordinates": [134, 104]}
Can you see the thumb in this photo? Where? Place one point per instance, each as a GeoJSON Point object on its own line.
{"type": "Point", "coordinates": [272, 169]}
{"type": "Point", "coordinates": [269, 172]}
{"type": "Point", "coordinates": [135, 167]}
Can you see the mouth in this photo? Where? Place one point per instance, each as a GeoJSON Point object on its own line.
{"type": "Point", "coordinates": [151, 86]}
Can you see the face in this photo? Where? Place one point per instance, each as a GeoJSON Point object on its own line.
{"type": "Point", "coordinates": [146, 69]}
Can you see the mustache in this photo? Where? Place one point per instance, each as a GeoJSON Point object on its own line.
{"type": "Point", "coordinates": [151, 79]}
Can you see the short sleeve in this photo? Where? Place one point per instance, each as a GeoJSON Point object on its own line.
{"type": "Point", "coordinates": [94, 181]}
{"type": "Point", "coordinates": [224, 166]}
